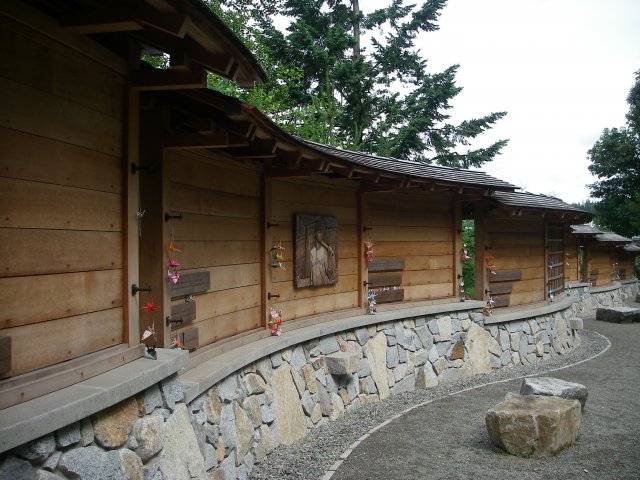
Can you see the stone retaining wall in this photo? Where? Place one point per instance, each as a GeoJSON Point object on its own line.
{"type": "Point", "coordinates": [602, 297]}
{"type": "Point", "coordinates": [276, 401]}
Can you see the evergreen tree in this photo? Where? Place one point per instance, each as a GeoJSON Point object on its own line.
{"type": "Point", "coordinates": [379, 98]}
{"type": "Point", "coordinates": [615, 160]}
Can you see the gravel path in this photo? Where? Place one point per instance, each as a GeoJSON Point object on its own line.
{"type": "Point", "coordinates": [441, 433]}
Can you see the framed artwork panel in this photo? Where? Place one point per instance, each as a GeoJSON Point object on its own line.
{"type": "Point", "coordinates": [316, 251]}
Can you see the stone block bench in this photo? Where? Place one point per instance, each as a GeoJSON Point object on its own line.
{"type": "Point", "coordinates": [618, 314]}
{"type": "Point", "coordinates": [554, 387]}
{"type": "Point", "coordinates": [534, 425]}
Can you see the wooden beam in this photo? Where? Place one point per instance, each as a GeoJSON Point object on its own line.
{"type": "Point", "coordinates": [293, 158]}
{"type": "Point", "coordinates": [302, 171]}
{"type": "Point", "coordinates": [221, 63]}
{"type": "Point", "coordinates": [125, 20]}
{"type": "Point", "coordinates": [102, 21]}
{"type": "Point", "coordinates": [249, 153]}
{"type": "Point", "coordinates": [161, 79]}
{"type": "Point", "coordinates": [267, 145]}
{"type": "Point", "coordinates": [180, 60]}
{"type": "Point", "coordinates": [197, 140]}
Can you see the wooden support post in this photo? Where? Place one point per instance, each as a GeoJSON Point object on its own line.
{"type": "Point", "coordinates": [131, 187]}
{"type": "Point", "coordinates": [481, 278]}
{"type": "Point", "coordinates": [457, 248]}
{"type": "Point", "coordinates": [154, 238]}
{"type": "Point", "coordinates": [547, 250]}
{"type": "Point", "coordinates": [265, 245]}
{"type": "Point", "coordinates": [363, 266]}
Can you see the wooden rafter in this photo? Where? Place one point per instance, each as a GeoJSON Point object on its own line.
{"type": "Point", "coordinates": [210, 140]}
{"type": "Point", "coordinates": [127, 19]}
{"type": "Point", "coordinates": [158, 79]}
{"type": "Point", "coordinates": [103, 21]}
{"type": "Point", "coordinates": [303, 171]}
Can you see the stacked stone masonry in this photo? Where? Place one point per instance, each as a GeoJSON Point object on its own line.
{"type": "Point", "coordinates": [276, 401]}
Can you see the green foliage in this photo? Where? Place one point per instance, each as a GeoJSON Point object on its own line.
{"type": "Point", "coordinates": [468, 270]}
{"type": "Point", "coordinates": [587, 206]}
{"type": "Point", "coordinates": [615, 160]}
{"type": "Point", "coordinates": [327, 87]}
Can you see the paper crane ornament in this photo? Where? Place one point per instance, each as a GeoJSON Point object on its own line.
{"type": "Point", "coordinates": [368, 251]}
{"type": "Point", "coordinates": [371, 298]}
{"type": "Point", "coordinates": [275, 321]}
{"type": "Point", "coordinates": [172, 247]}
{"type": "Point", "coordinates": [148, 333]}
{"type": "Point", "coordinates": [277, 255]}
{"type": "Point", "coordinates": [150, 307]}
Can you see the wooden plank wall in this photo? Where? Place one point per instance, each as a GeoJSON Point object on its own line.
{"type": "Point", "coordinates": [61, 265]}
{"type": "Point", "coordinates": [626, 265]}
{"type": "Point", "coordinates": [600, 261]}
{"type": "Point", "coordinates": [220, 202]}
{"type": "Point", "coordinates": [571, 259]}
{"type": "Point", "coordinates": [517, 245]}
{"type": "Point", "coordinates": [313, 197]}
{"type": "Point", "coordinates": [419, 229]}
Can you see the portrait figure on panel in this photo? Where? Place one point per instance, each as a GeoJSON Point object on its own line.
{"type": "Point", "coordinates": [316, 252]}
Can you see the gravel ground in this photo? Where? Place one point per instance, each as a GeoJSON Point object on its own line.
{"type": "Point", "coordinates": [398, 449]}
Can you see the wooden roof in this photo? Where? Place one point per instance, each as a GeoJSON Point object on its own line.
{"type": "Point", "coordinates": [414, 170]}
{"type": "Point", "coordinates": [584, 230]}
{"type": "Point", "coordinates": [525, 203]}
{"type": "Point", "coordinates": [202, 118]}
{"type": "Point", "coordinates": [610, 237]}
{"type": "Point", "coordinates": [187, 31]}
{"type": "Point", "coordinates": [631, 248]}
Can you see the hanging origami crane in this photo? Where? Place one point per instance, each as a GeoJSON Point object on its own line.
{"type": "Point", "coordinates": [172, 246]}
{"type": "Point", "coordinates": [150, 307]}
{"type": "Point", "coordinates": [277, 255]}
{"type": "Point", "coordinates": [368, 251]}
{"type": "Point", "coordinates": [148, 333]}
{"type": "Point", "coordinates": [173, 276]}
{"type": "Point", "coordinates": [276, 321]}
{"type": "Point", "coordinates": [465, 252]}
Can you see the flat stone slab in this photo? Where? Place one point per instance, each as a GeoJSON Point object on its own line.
{"type": "Point", "coordinates": [342, 363]}
{"type": "Point", "coordinates": [554, 387]}
{"type": "Point", "coordinates": [618, 314]}
{"type": "Point", "coordinates": [534, 425]}
{"type": "Point", "coordinates": [576, 323]}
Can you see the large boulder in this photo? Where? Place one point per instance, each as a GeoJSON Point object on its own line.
{"type": "Point", "coordinates": [554, 387]}
{"type": "Point", "coordinates": [534, 425]}
{"type": "Point", "coordinates": [618, 314]}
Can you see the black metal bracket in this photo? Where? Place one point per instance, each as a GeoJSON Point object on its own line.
{"type": "Point", "coordinates": [365, 283]}
{"type": "Point", "coordinates": [135, 168]}
{"type": "Point", "coordinates": [364, 229]}
{"type": "Point", "coordinates": [168, 217]}
{"type": "Point", "coordinates": [271, 225]}
{"type": "Point", "coordinates": [272, 295]}
{"type": "Point", "coordinates": [487, 291]}
{"type": "Point", "coordinates": [169, 321]}
{"type": "Point", "coordinates": [135, 289]}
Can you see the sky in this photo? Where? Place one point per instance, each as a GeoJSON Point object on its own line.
{"type": "Point", "coordinates": [562, 69]}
